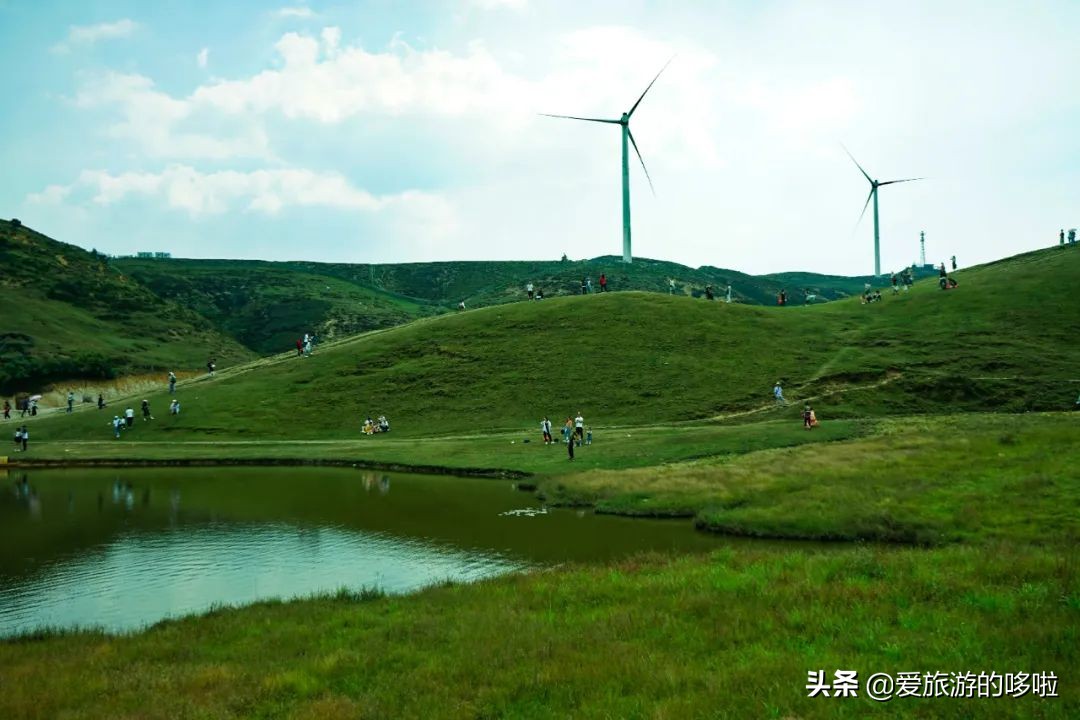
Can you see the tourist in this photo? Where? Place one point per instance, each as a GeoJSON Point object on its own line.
{"type": "Point", "coordinates": [895, 289]}
{"type": "Point", "coordinates": [806, 417]}
{"type": "Point", "coordinates": [461, 305]}
{"type": "Point", "coordinates": [384, 424]}
{"type": "Point", "coordinates": [529, 289]}
{"type": "Point", "coordinates": [813, 418]}
{"type": "Point", "coordinates": [588, 285]}
{"type": "Point", "coordinates": [70, 402]}
{"type": "Point", "coordinates": [307, 346]}
{"type": "Point", "coordinates": [954, 262]}
{"type": "Point", "coordinates": [584, 286]}
{"type": "Point", "coordinates": [100, 401]}
{"type": "Point", "coordinates": [117, 423]}
{"type": "Point", "coordinates": [146, 416]}
{"type": "Point", "coordinates": [781, 299]}
{"type": "Point", "coordinates": [172, 382]}
{"type": "Point", "coordinates": [778, 393]}
{"type": "Point", "coordinates": [18, 438]}
{"type": "Point", "coordinates": [210, 367]}
{"type": "Point", "coordinates": [1061, 237]}
{"type": "Point", "coordinates": [569, 439]}
{"type": "Point", "coordinates": [129, 417]}
{"type": "Point", "coordinates": [708, 292]}
{"type": "Point", "coordinates": [579, 428]}
{"type": "Point", "coordinates": [539, 294]}
{"type": "Point", "coordinates": [567, 429]}
{"type": "Point", "coordinates": [729, 293]}
{"type": "Point", "coordinates": [25, 437]}
{"type": "Point", "coordinates": [33, 407]}
{"type": "Point", "coordinates": [603, 282]}
{"type": "Point", "coordinates": [671, 286]}
{"type": "Point", "coordinates": [545, 429]}
{"type": "Point", "coordinates": [299, 347]}
{"type": "Point", "coordinates": [7, 410]}
{"type": "Point", "coordinates": [588, 436]}
{"type": "Point", "coordinates": [174, 407]}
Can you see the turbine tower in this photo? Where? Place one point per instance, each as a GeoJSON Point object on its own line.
{"type": "Point", "coordinates": [874, 185]}
{"type": "Point", "coordinates": [624, 123]}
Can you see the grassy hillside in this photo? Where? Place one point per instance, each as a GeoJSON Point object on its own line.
{"type": "Point", "coordinates": [491, 283]}
{"type": "Point", "coordinates": [267, 306]}
{"type": "Point", "coordinates": [68, 315]}
{"type": "Point", "coordinates": [645, 359]}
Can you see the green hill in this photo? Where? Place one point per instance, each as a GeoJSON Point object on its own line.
{"type": "Point", "coordinates": [68, 315]}
{"type": "Point", "coordinates": [998, 342]}
{"type": "Point", "coordinates": [267, 306]}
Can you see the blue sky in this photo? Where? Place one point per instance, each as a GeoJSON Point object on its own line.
{"type": "Point", "coordinates": [396, 131]}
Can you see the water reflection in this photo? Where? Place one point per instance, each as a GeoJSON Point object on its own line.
{"type": "Point", "coordinates": [121, 549]}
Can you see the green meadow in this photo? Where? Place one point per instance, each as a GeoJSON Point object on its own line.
{"type": "Point", "coordinates": [929, 523]}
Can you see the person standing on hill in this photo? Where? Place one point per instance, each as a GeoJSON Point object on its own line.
{"type": "Point", "coordinates": [569, 439]}
{"type": "Point", "coordinates": [210, 367]}
{"type": "Point", "coordinates": [172, 382]}
{"type": "Point", "coordinates": [671, 286]}
{"type": "Point", "coordinates": [806, 417]}
{"type": "Point", "coordinates": [588, 435]}
{"type": "Point", "coordinates": [146, 416]}
{"type": "Point", "coordinates": [25, 438]}
{"type": "Point", "coordinates": [529, 289]}
{"type": "Point", "coordinates": [781, 299]}
{"type": "Point", "coordinates": [545, 428]}
{"type": "Point", "coordinates": [603, 282]}
{"type": "Point", "coordinates": [708, 292]}
{"type": "Point", "coordinates": [117, 423]}
{"type": "Point", "coordinates": [1061, 237]}
{"type": "Point", "coordinates": [70, 402]}
{"type": "Point", "coordinates": [299, 347]}
{"type": "Point", "coordinates": [174, 407]}
{"type": "Point", "coordinates": [778, 394]}
{"type": "Point", "coordinates": [129, 417]}
{"type": "Point", "coordinates": [588, 285]}
{"type": "Point", "coordinates": [729, 293]}
{"type": "Point", "coordinates": [584, 286]}
{"type": "Point", "coordinates": [18, 438]}
{"type": "Point", "coordinates": [7, 410]}
{"type": "Point", "coordinates": [953, 262]}
{"type": "Point", "coordinates": [579, 428]}
{"type": "Point", "coordinates": [895, 289]}
{"type": "Point", "coordinates": [100, 401]}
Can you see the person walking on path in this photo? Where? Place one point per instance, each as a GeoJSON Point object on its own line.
{"type": "Point", "coordinates": [117, 423]}
{"type": "Point", "coordinates": [25, 438]}
{"type": "Point", "coordinates": [778, 393]}
{"type": "Point", "coordinates": [146, 416]}
{"type": "Point", "coordinates": [100, 401]}
{"type": "Point", "coordinates": [129, 417]}
{"type": "Point", "coordinates": [569, 439]}
{"type": "Point", "coordinates": [70, 402]}
{"type": "Point", "coordinates": [7, 410]}
{"type": "Point", "coordinates": [172, 382]}
{"type": "Point", "coordinates": [299, 347]}
{"type": "Point", "coordinates": [529, 289]}
{"type": "Point", "coordinates": [579, 428]}
{"type": "Point", "coordinates": [174, 407]}
{"type": "Point", "coordinates": [210, 367]}
{"type": "Point", "coordinates": [545, 428]}
{"type": "Point", "coordinates": [603, 282]}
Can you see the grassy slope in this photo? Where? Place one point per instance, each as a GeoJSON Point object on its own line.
{"type": "Point", "coordinates": [642, 359]}
{"type": "Point", "coordinates": [267, 306]}
{"type": "Point", "coordinates": [66, 315]}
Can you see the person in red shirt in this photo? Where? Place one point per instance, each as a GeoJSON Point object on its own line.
{"type": "Point", "coordinates": [603, 282]}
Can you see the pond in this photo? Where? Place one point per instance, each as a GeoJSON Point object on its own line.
{"type": "Point", "coordinates": [121, 549]}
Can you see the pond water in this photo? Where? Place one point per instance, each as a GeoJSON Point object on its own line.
{"type": "Point", "coordinates": [120, 549]}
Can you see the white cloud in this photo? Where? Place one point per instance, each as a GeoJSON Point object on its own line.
{"type": "Point", "coordinates": [500, 4]}
{"type": "Point", "coordinates": [182, 187]}
{"type": "Point", "coordinates": [203, 58]}
{"type": "Point", "coordinates": [295, 12]}
{"type": "Point", "coordinates": [85, 35]}
{"type": "Point", "coordinates": [162, 126]}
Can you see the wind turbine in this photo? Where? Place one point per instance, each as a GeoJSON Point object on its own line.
{"type": "Point", "coordinates": [624, 123]}
{"type": "Point", "coordinates": [874, 185]}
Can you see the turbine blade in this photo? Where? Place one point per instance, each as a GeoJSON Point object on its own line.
{"type": "Point", "coordinates": [629, 114]}
{"type": "Point", "coordinates": [865, 205]}
{"type": "Point", "coordinates": [857, 164]}
{"type": "Point", "coordinates": [572, 117]}
{"type": "Point", "coordinates": [634, 143]}
{"type": "Point", "coordinates": [892, 182]}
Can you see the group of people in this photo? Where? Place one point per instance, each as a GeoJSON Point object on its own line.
{"type": "Point", "coordinates": [22, 439]}
{"type": "Point", "coordinates": [809, 416]}
{"type": "Point", "coordinates": [1072, 236]}
{"type": "Point", "coordinates": [25, 407]}
{"type": "Point", "coordinates": [304, 345]}
{"type": "Point", "coordinates": [382, 425]}
{"type": "Point", "coordinates": [709, 295]}
{"type": "Point", "coordinates": [574, 433]}
{"type": "Point", "coordinates": [128, 420]}
{"type": "Point", "coordinates": [535, 293]}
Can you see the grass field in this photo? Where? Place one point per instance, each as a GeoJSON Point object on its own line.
{"type": "Point", "coordinates": [945, 472]}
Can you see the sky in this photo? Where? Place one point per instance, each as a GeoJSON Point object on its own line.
{"type": "Point", "coordinates": [385, 131]}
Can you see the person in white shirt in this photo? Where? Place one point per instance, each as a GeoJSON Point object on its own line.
{"type": "Point", "coordinates": [129, 417]}
{"type": "Point", "coordinates": [529, 290]}
{"type": "Point", "coordinates": [579, 428]}
{"type": "Point", "coordinates": [545, 428]}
